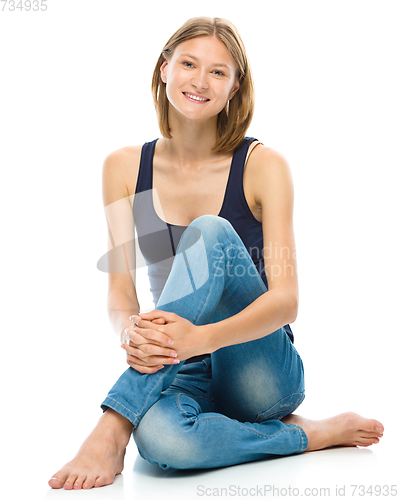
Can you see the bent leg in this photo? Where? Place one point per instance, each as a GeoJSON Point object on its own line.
{"type": "Point", "coordinates": [258, 380]}
{"type": "Point", "coordinates": [182, 430]}
{"type": "Point", "coordinates": [202, 280]}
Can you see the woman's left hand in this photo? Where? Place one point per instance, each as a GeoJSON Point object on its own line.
{"type": "Point", "coordinates": [187, 338]}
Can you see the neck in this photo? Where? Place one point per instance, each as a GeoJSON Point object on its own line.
{"type": "Point", "coordinates": [192, 141]}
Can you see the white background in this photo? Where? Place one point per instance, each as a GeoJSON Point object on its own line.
{"type": "Point", "coordinates": [75, 85]}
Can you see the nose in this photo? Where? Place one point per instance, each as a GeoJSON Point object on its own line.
{"type": "Point", "coordinates": [199, 79]}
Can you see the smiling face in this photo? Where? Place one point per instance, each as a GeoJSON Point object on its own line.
{"type": "Point", "coordinates": [200, 78]}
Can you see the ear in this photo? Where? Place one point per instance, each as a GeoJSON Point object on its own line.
{"type": "Point", "coordinates": [234, 90]}
{"type": "Point", "coordinates": [163, 72]}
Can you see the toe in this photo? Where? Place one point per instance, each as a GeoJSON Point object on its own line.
{"type": "Point", "coordinates": [69, 483]}
{"type": "Point", "coordinates": [79, 482]}
{"type": "Point", "coordinates": [102, 481]}
{"type": "Point", "coordinates": [367, 441]}
{"type": "Point", "coordinates": [89, 482]}
{"type": "Point", "coordinates": [56, 482]}
{"type": "Point", "coordinates": [374, 426]}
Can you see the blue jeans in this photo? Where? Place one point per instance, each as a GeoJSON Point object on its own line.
{"type": "Point", "coordinates": [227, 408]}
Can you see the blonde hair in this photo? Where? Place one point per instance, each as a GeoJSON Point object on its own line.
{"type": "Point", "coordinates": [233, 121]}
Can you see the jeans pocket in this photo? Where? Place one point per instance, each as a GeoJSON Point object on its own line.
{"type": "Point", "coordinates": [282, 408]}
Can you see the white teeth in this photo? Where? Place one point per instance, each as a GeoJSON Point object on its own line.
{"type": "Point", "coordinates": [195, 97]}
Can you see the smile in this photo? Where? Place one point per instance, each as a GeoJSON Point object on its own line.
{"type": "Point", "coordinates": [195, 98]}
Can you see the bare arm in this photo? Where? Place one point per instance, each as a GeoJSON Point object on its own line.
{"type": "Point", "coordinates": [274, 193]}
{"type": "Point", "coordinates": [122, 300]}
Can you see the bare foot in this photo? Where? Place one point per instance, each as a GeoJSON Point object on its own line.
{"type": "Point", "coordinates": [100, 457]}
{"type": "Point", "coordinates": [346, 429]}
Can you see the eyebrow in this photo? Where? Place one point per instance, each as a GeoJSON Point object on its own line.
{"type": "Point", "coordinates": [196, 59]}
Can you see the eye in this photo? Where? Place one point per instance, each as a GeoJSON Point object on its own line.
{"type": "Point", "coordinates": [187, 64]}
{"type": "Point", "coordinates": [219, 73]}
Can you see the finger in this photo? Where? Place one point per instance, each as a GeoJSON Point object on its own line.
{"type": "Point", "coordinates": [156, 361]}
{"type": "Point", "coordinates": [135, 319]}
{"type": "Point", "coordinates": [136, 339]}
{"type": "Point", "coordinates": [170, 317]}
{"type": "Point", "coordinates": [138, 361]}
{"type": "Point", "coordinates": [159, 321]}
{"type": "Point", "coordinates": [133, 335]}
{"type": "Point", "coordinates": [146, 330]}
{"type": "Point", "coordinates": [153, 360]}
{"type": "Point", "coordinates": [144, 369]}
{"type": "Point", "coordinates": [157, 350]}
{"type": "Point", "coordinates": [137, 352]}
{"type": "Point", "coordinates": [146, 350]}
{"type": "Point", "coordinates": [146, 323]}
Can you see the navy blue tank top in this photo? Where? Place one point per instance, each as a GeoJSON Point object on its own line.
{"type": "Point", "coordinates": [158, 240]}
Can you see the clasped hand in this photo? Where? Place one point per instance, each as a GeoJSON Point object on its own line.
{"type": "Point", "coordinates": [157, 338]}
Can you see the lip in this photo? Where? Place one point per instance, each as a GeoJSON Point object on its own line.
{"type": "Point", "coordinates": [198, 95]}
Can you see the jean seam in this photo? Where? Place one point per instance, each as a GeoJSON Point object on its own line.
{"type": "Point", "coordinates": [302, 433]}
{"type": "Point", "coordinates": [254, 430]}
{"type": "Point", "coordinates": [291, 408]}
{"type": "Point", "coordinates": [160, 381]}
{"type": "Point", "coordinates": [184, 413]}
{"type": "Point", "coordinates": [241, 248]}
{"type": "Point", "coordinates": [212, 285]}
{"type": "Point", "coordinates": [207, 299]}
{"type": "Point", "coordinates": [122, 406]}
{"type": "Point", "coordinates": [182, 386]}
{"type": "Point", "coordinates": [208, 369]}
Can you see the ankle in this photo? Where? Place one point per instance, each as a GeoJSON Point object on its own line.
{"type": "Point", "coordinates": [116, 422]}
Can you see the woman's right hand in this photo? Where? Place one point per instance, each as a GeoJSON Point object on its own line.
{"type": "Point", "coordinates": [144, 355]}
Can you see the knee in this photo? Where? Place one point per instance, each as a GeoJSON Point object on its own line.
{"type": "Point", "coordinates": [211, 223]}
{"type": "Point", "coordinates": [206, 231]}
{"type": "Point", "coordinates": [209, 229]}
{"type": "Point", "coordinates": [166, 437]}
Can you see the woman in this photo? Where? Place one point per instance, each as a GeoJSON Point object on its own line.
{"type": "Point", "coordinates": [230, 238]}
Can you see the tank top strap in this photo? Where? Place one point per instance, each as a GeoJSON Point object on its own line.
{"type": "Point", "coordinates": [234, 196]}
{"type": "Point", "coordinates": [144, 178]}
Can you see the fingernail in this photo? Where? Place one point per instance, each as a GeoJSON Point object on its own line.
{"type": "Point", "coordinates": [131, 318]}
{"type": "Point", "coordinates": [378, 429]}
{"type": "Point", "coordinates": [175, 361]}
{"type": "Point", "coordinates": [123, 346]}
{"type": "Point", "coordinates": [170, 342]}
{"type": "Point", "coordinates": [160, 368]}
{"type": "Point", "coordinates": [173, 354]}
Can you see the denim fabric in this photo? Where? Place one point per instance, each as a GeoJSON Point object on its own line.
{"type": "Point", "coordinates": [227, 408]}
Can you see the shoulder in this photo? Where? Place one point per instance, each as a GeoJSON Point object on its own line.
{"type": "Point", "coordinates": [270, 174]}
{"type": "Point", "coordinates": [264, 158]}
{"type": "Point", "coordinates": [120, 171]}
{"type": "Point", "coordinates": [122, 158]}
